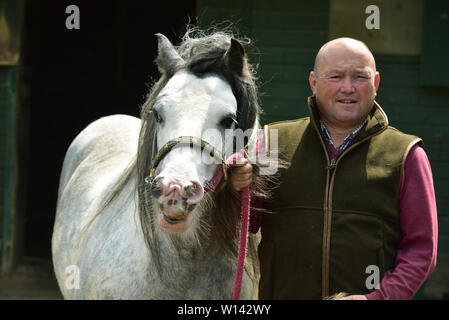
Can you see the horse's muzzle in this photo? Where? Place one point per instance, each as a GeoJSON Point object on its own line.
{"type": "Point", "coordinates": [174, 220]}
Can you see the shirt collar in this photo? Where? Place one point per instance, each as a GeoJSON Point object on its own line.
{"type": "Point", "coordinates": [348, 138]}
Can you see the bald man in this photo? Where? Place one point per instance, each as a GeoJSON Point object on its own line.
{"type": "Point", "coordinates": [355, 210]}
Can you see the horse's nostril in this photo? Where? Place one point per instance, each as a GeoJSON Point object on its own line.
{"type": "Point", "coordinates": [194, 192]}
{"type": "Point", "coordinates": [191, 190]}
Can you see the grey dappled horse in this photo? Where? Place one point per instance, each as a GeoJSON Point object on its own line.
{"type": "Point", "coordinates": [119, 234]}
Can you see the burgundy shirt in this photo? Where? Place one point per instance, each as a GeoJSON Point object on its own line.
{"type": "Point", "coordinates": [417, 251]}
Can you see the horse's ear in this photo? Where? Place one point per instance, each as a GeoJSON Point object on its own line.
{"type": "Point", "coordinates": [235, 58]}
{"type": "Point", "coordinates": [168, 60]}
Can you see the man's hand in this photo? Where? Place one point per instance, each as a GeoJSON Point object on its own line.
{"type": "Point", "coordinates": [241, 174]}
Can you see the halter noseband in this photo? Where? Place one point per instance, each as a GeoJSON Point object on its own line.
{"type": "Point", "coordinates": [186, 140]}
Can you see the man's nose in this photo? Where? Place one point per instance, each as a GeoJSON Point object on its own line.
{"type": "Point", "coordinates": [347, 86]}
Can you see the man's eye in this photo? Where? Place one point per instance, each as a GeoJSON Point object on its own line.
{"type": "Point", "coordinates": [335, 77]}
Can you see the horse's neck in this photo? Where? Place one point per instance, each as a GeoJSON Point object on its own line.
{"type": "Point", "coordinates": [191, 266]}
{"type": "Point", "coordinates": [188, 252]}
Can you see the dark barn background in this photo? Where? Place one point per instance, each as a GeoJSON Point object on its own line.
{"type": "Point", "coordinates": [55, 81]}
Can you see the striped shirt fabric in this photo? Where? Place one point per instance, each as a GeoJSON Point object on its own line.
{"type": "Point", "coordinates": [346, 141]}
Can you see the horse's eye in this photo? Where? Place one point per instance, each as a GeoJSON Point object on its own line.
{"type": "Point", "coordinates": [227, 122]}
{"type": "Point", "coordinates": [157, 116]}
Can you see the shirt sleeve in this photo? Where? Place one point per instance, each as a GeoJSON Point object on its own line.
{"type": "Point", "coordinates": [417, 252]}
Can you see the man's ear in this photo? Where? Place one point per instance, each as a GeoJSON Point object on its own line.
{"type": "Point", "coordinates": [377, 81]}
{"type": "Point", "coordinates": [312, 82]}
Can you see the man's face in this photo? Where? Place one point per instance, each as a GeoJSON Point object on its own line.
{"type": "Point", "coordinates": [345, 85]}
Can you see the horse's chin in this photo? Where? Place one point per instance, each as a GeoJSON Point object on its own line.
{"type": "Point", "coordinates": [175, 226]}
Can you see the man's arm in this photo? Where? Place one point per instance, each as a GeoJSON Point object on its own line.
{"type": "Point", "coordinates": [416, 256]}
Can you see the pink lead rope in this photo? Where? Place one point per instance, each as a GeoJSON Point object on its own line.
{"type": "Point", "coordinates": [245, 196]}
{"type": "Point", "coordinates": [243, 243]}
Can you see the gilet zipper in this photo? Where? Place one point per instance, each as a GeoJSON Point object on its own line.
{"type": "Point", "coordinates": [330, 178]}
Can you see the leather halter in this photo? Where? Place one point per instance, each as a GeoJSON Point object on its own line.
{"type": "Point", "coordinates": [191, 141]}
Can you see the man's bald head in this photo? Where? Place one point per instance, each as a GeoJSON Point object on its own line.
{"type": "Point", "coordinates": [343, 45]}
{"type": "Point", "coordinates": [344, 83]}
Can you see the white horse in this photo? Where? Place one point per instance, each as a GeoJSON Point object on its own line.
{"type": "Point", "coordinates": [121, 233]}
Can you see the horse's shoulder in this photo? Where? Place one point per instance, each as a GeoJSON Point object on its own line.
{"type": "Point", "coordinates": [109, 134]}
{"type": "Point", "coordinates": [108, 140]}
{"type": "Point", "coordinates": [110, 128]}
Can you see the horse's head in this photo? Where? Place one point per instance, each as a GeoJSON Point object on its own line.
{"type": "Point", "coordinates": [202, 93]}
